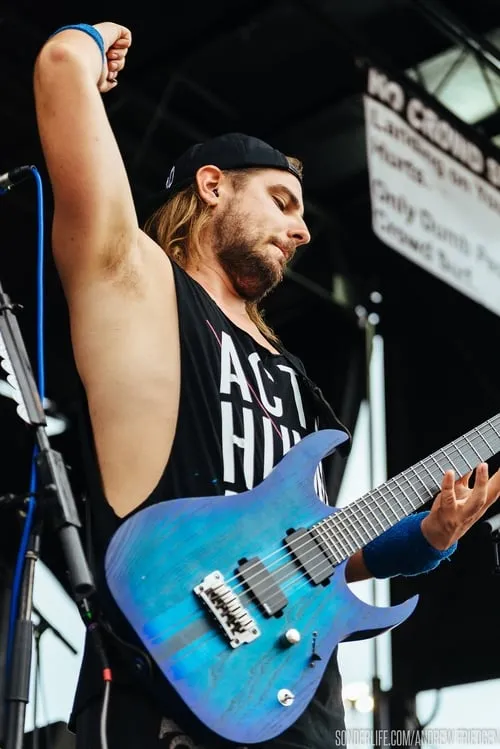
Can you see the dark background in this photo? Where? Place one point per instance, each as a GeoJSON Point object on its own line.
{"type": "Point", "coordinates": [292, 73]}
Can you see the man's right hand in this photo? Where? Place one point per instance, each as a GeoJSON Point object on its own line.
{"type": "Point", "coordinates": [118, 283]}
{"type": "Point", "coordinates": [95, 222]}
{"type": "Point", "coordinates": [117, 39]}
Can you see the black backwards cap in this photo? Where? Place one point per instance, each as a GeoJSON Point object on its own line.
{"type": "Point", "coordinates": [229, 151]}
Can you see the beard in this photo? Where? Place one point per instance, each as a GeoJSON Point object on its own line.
{"type": "Point", "coordinates": [242, 255]}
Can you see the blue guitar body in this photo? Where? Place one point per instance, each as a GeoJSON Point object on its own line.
{"type": "Point", "coordinates": [246, 658]}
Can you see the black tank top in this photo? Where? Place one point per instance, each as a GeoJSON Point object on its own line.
{"type": "Point", "coordinates": [241, 408]}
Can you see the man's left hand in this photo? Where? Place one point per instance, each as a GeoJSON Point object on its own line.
{"type": "Point", "coordinates": [458, 506]}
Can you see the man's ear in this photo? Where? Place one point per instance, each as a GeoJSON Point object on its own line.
{"type": "Point", "coordinates": [208, 179]}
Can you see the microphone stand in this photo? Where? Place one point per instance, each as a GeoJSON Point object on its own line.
{"type": "Point", "coordinates": [39, 628]}
{"type": "Point", "coordinates": [43, 625]}
{"type": "Point", "coordinates": [368, 323]}
{"type": "Point", "coordinates": [493, 526]}
{"type": "Point", "coordinates": [56, 502]}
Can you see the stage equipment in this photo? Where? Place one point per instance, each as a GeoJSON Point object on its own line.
{"type": "Point", "coordinates": [55, 506]}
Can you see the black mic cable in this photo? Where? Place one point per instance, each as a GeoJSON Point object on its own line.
{"type": "Point", "coordinates": [95, 630]}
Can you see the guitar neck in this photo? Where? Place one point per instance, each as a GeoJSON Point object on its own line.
{"type": "Point", "coordinates": [352, 527]}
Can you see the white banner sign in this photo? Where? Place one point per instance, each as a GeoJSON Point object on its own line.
{"type": "Point", "coordinates": [434, 193]}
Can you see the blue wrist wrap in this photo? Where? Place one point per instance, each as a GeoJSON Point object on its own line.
{"type": "Point", "coordinates": [87, 29]}
{"type": "Point", "coordinates": [403, 550]}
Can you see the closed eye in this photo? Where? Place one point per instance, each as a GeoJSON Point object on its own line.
{"type": "Point", "coordinates": [280, 203]}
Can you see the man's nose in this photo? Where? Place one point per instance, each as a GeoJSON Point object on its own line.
{"type": "Point", "coordinates": [300, 233]}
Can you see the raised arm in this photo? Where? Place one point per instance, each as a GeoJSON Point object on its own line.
{"type": "Point", "coordinates": [95, 226]}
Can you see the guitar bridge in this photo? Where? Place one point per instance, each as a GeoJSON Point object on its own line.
{"type": "Point", "coordinates": [225, 606]}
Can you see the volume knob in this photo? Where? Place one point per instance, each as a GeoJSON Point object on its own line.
{"type": "Point", "coordinates": [292, 636]}
{"type": "Point", "coordinates": [285, 697]}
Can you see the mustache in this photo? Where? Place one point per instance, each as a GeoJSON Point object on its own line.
{"type": "Point", "coordinates": [288, 248]}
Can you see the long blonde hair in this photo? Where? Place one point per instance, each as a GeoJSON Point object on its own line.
{"type": "Point", "coordinates": [177, 227]}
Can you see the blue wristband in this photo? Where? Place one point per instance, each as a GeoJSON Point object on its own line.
{"type": "Point", "coordinates": [403, 550]}
{"type": "Point", "coordinates": [87, 29]}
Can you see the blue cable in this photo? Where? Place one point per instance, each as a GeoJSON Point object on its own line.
{"type": "Point", "coordinates": [28, 523]}
{"type": "Point", "coordinates": [40, 290]}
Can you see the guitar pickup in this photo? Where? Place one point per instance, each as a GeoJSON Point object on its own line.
{"type": "Point", "coordinates": [310, 555]}
{"type": "Point", "coordinates": [262, 585]}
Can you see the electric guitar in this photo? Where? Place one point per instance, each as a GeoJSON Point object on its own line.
{"type": "Point", "coordinates": [241, 599]}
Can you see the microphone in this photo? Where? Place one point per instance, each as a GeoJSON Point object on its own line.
{"type": "Point", "coordinates": [493, 523]}
{"type": "Point", "coordinates": [16, 175]}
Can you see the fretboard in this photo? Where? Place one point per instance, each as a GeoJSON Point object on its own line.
{"type": "Point", "coordinates": [352, 527]}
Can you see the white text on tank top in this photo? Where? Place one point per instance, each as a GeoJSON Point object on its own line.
{"type": "Point", "coordinates": [260, 390]}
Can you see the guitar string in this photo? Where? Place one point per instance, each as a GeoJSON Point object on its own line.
{"type": "Point", "coordinates": [350, 509]}
{"type": "Point", "coordinates": [296, 577]}
{"type": "Point", "coordinates": [319, 556]}
{"type": "Point", "coordinates": [293, 582]}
